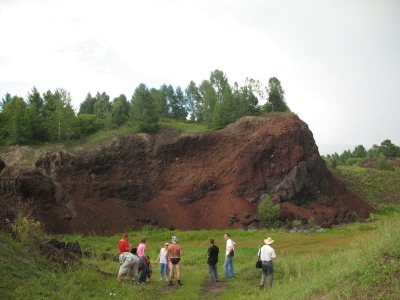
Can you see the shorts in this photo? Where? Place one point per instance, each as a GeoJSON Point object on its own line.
{"type": "Point", "coordinates": [128, 265]}
{"type": "Point", "coordinates": [175, 261]}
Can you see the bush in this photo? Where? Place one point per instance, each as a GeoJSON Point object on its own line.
{"type": "Point", "coordinates": [312, 222]}
{"type": "Point", "coordinates": [268, 212]}
{"type": "Point", "coordinates": [296, 223]}
{"type": "Point", "coordinates": [25, 229]}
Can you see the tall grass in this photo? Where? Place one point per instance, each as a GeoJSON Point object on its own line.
{"type": "Point", "coordinates": [358, 261]}
{"type": "Point", "coordinates": [378, 188]}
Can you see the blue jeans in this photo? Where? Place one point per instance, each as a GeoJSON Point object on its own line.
{"type": "Point", "coordinates": [267, 269]}
{"type": "Point", "coordinates": [143, 274]}
{"type": "Point", "coordinates": [164, 267]}
{"type": "Point", "coordinates": [228, 266]}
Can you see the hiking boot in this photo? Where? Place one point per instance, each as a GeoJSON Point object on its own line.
{"type": "Point", "coordinates": [170, 283]}
{"type": "Point", "coordinates": [179, 282]}
{"type": "Point", "coordinates": [261, 286]}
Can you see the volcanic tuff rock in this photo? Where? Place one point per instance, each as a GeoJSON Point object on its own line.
{"type": "Point", "coordinates": [195, 181]}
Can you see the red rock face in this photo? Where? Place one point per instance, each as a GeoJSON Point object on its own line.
{"type": "Point", "coordinates": [196, 181]}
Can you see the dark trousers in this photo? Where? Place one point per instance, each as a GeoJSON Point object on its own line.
{"type": "Point", "coordinates": [212, 269]}
{"type": "Point", "coordinates": [267, 270]}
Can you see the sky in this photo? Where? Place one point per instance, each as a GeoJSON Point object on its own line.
{"type": "Point", "coordinates": [338, 60]}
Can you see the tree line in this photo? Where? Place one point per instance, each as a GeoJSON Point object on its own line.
{"type": "Point", "coordinates": [383, 152]}
{"type": "Point", "coordinates": [50, 117]}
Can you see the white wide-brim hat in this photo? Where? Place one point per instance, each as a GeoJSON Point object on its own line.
{"type": "Point", "coordinates": [269, 241]}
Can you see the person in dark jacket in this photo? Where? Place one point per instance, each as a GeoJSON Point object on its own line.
{"type": "Point", "coordinates": [212, 260]}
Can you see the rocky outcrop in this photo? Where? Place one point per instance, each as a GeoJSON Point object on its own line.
{"type": "Point", "coordinates": [196, 181]}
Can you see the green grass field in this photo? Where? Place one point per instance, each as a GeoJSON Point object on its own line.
{"type": "Point", "coordinates": [357, 261]}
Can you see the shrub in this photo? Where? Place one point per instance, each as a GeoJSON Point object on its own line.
{"type": "Point", "coordinates": [25, 228]}
{"type": "Point", "coordinates": [296, 223]}
{"type": "Point", "coordinates": [268, 212]}
{"type": "Point", "coordinates": [312, 222]}
{"type": "Point", "coordinates": [383, 164]}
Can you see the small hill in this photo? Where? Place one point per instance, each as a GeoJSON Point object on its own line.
{"type": "Point", "coordinates": [194, 181]}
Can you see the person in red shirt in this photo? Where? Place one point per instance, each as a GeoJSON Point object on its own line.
{"type": "Point", "coordinates": [123, 244]}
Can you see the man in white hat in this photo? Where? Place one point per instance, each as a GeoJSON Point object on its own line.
{"type": "Point", "coordinates": [267, 255]}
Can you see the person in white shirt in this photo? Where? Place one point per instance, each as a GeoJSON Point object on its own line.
{"type": "Point", "coordinates": [267, 255]}
{"type": "Point", "coordinates": [162, 258]}
{"type": "Point", "coordinates": [230, 252]}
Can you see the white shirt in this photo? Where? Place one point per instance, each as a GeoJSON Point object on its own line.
{"type": "Point", "coordinates": [267, 253]}
{"type": "Point", "coordinates": [229, 243]}
{"type": "Point", "coordinates": [163, 256]}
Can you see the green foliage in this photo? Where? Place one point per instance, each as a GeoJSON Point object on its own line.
{"type": "Point", "coordinates": [296, 223]}
{"type": "Point", "coordinates": [378, 188]}
{"type": "Point", "coordinates": [312, 222]}
{"type": "Point", "coordinates": [389, 149]}
{"type": "Point", "coordinates": [25, 228]}
{"type": "Point", "coordinates": [215, 103]}
{"type": "Point", "coordinates": [17, 127]}
{"type": "Point", "coordinates": [334, 163]}
{"type": "Point", "coordinates": [383, 164]}
{"type": "Point", "coordinates": [360, 156]}
{"type": "Point", "coordinates": [120, 111]}
{"type": "Point", "coordinates": [352, 161]}
{"type": "Point", "coordinates": [276, 96]}
{"type": "Point", "coordinates": [359, 260]}
{"type": "Point", "coordinates": [269, 212]}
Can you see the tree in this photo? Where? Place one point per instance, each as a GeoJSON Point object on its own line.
{"type": "Point", "coordinates": [359, 152]}
{"type": "Point", "coordinates": [276, 96]}
{"type": "Point", "coordinates": [374, 151]}
{"type": "Point", "coordinates": [206, 102]}
{"type": "Point", "coordinates": [389, 149]}
{"type": "Point", "coordinates": [87, 106]}
{"type": "Point", "coordinates": [120, 110]}
{"type": "Point", "coordinates": [193, 100]}
{"type": "Point", "coordinates": [17, 126]}
{"type": "Point", "coordinates": [257, 88]}
{"type": "Point", "coordinates": [228, 107]}
{"type": "Point", "coordinates": [86, 124]}
{"type": "Point", "coordinates": [268, 212]}
{"type": "Point", "coordinates": [144, 110]}
{"type": "Point", "coordinates": [59, 116]}
{"type": "Point", "coordinates": [102, 105]}
{"type": "Point", "coordinates": [35, 112]}
{"type": "Point", "coordinates": [219, 82]}
{"type": "Point", "coordinates": [5, 100]}
{"type": "Point", "coordinates": [217, 118]}
{"type": "Point", "coordinates": [246, 103]}
{"type": "Point", "coordinates": [160, 102]}
{"type": "Point", "coordinates": [178, 108]}
{"type": "Point", "coordinates": [169, 96]}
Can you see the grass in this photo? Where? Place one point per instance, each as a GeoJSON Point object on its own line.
{"type": "Point", "coordinates": [25, 156]}
{"type": "Point", "coordinates": [358, 261]}
{"type": "Point", "coordinates": [378, 188]}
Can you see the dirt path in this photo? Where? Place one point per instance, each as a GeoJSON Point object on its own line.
{"type": "Point", "coordinates": [212, 290]}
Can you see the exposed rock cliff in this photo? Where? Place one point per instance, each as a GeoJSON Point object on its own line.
{"type": "Point", "coordinates": [196, 181]}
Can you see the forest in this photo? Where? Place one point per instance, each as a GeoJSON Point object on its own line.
{"type": "Point", "coordinates": [50, 117]}
{"type": "Point", "coordinates": [378, 156]}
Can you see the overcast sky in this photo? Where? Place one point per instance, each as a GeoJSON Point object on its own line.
{"type": "Point", "coordinates": [338, 61]}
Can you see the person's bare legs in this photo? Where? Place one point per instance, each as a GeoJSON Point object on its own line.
{"type": "Point", "coordinates": [178, 271]}
{"type": "Point", "coordinates": [171, 272]}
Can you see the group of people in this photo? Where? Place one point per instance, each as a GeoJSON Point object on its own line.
{"type": "Point", "coordinates": [131, 258]}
